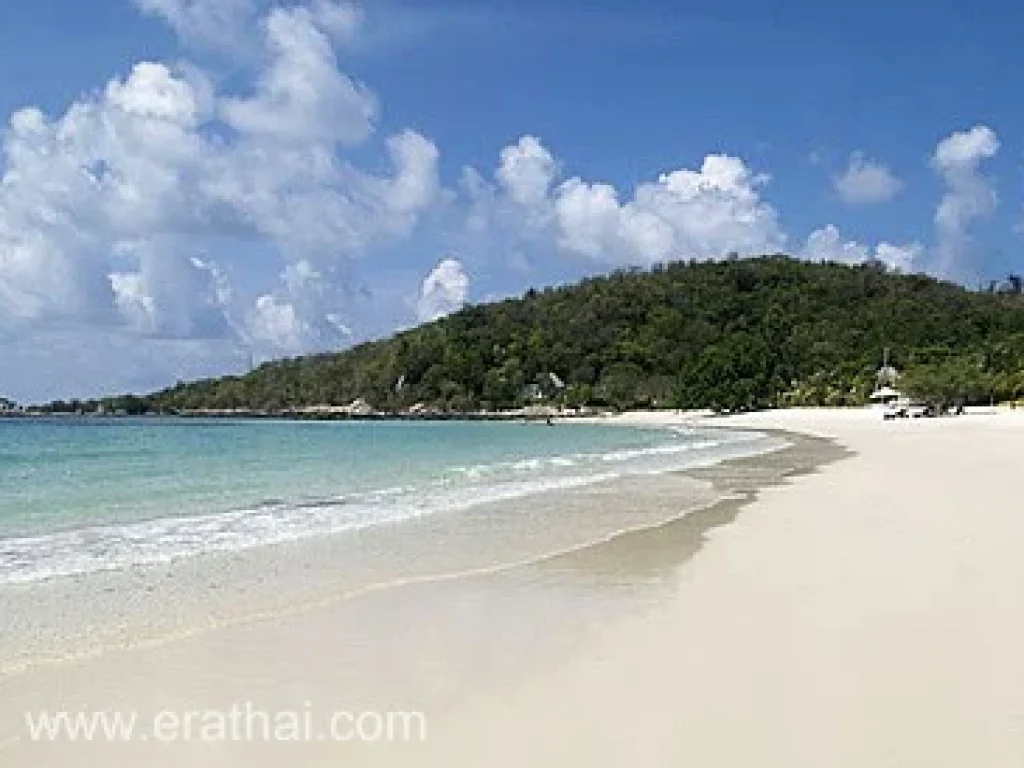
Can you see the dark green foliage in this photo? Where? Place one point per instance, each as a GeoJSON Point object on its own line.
{"type": "Point", "coordinates": [732, 335]}
{"type": "Point", "coordinates": [948, 380]}
{"type": "Point", "coordinates": [737, 373]}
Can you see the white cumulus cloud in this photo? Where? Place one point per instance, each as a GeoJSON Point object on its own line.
{"type": "Point", "coordinates": [970, 194]}
{"type": "Point", "coordinates": [444, 290]}
{"type": "Point", "coordinates": [301, 96]}
{"type": "Point", "coordinates": [342, 21]}
{"type": "Point", "coordinates": [108, 210]}
{"type": "Point", "coordinates": [416, 184]}
{"type": "Point", "coordinates": [277, 324]}
{"type": "Point", "coordinates": [905, 258]}
{"type": "Point", "coordinates": [705, 213]}
{"type": "Point", "coordinates": [214, 23]}
{"type": "Point", "coordinates": [866, 181]}
{"type": "Point", "coordinates": [826, 244]}
{"type": "Point", "coordinates": [527, 171]}
{"type": "Point", "coordinates": [172, 296]}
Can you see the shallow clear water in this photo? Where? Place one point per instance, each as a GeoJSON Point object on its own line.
{"type": "Point", "coordinates": [78, 496]}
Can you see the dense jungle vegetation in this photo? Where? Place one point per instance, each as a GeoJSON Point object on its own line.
{"type": "Point", "coordinates": [729, 335]}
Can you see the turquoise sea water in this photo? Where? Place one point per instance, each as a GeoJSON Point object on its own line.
{"type": "Point", "coordinates": [84, 495]}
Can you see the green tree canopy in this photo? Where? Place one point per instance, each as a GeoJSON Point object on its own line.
{"type": "Point", "coordinates": [729, 335]}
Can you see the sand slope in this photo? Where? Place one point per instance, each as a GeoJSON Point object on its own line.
{"type": "Point", "coordinates": [868, 615]}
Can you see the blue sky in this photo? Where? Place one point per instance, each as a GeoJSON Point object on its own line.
{"type": "Point", "coordinates": [191, 184]}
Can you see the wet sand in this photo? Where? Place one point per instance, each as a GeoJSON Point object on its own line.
{"type": "Point", "coordinates": [431, 644]}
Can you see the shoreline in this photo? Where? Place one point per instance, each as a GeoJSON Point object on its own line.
{"type": "Point", "coordinates": [330, 413]}
{"type": "Point", "coordinates": [551, 606]}
{"type": "Point", "coordinates": [564, 597]}
{"type": "Point", "coordinates": [106, 609]}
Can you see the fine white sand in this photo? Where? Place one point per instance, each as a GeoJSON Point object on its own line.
{"type": "Point", "coordinates": [868, 614]}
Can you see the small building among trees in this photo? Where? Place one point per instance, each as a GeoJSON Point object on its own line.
{"type": "Point", "coordinates": [886, 381]}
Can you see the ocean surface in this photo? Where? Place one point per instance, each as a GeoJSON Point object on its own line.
{"type": "Point", "coordinates": [84, 495]}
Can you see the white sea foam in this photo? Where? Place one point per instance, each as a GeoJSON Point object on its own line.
{"type": "Point", "coordinates": [167, 539]}
{"type": "Point", "coordinates": [584, 459]}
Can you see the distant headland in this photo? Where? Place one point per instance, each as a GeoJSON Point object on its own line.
{"type": "Point", "coordinates": [737, 335]}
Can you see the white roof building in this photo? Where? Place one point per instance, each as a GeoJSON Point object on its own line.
{"type": "Point", "coordinates": [885, 383]}
{"type": "Point", "coordinates": [886, 393]}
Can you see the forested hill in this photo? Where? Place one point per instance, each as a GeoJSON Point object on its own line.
{"type": "Point", "coordinates": [735, 334]}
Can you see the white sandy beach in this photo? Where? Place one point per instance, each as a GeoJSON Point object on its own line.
{"type": "Point", "coordinates": [868, 614]}
{"type": "Point", "coordinates": [871, 614]}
